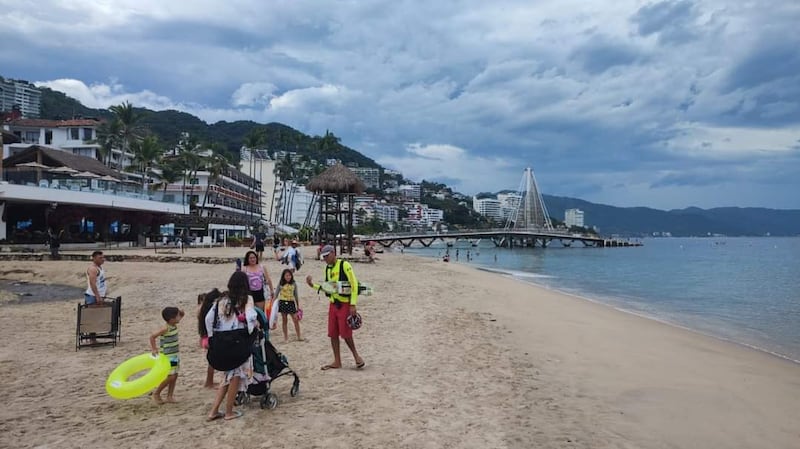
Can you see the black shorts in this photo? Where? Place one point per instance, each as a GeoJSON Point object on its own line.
{"type": "Point", "coordinates": [258, 295]}
{"type": "Point", "coordinates": [259, 247]}
{"type": "Point", "coordinates": [287, 307]}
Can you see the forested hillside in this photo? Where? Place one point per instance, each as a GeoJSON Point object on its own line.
{"type": "Point", "coordinates": [168, 126]}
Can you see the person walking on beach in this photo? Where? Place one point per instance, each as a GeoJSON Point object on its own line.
{"type": "Point", "coordinates": [204, 303]}
{"type": "Point", "coordinates": [229, 323]}
{"type": "Point", "coordinates": [168, 345]}
{"type": "Point", "coordinates": [341, 307]}
{"type": "Point", "coordinates": [258, 244]}
{"type": "Point", "coordinates": [291, 256]}
{"type": "Point", "coordinates": [288, 303]}
{"type": "Point", "coordinates": [257, 277]}
{"type": "Point", "coordinates": [96, 287]}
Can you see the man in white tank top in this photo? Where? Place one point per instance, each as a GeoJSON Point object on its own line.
{"type": "Point", "coordinates": [95, 280]}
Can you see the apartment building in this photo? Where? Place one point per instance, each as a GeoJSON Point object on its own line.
{"type": "Point", "coordinates": [488, 207]}
{"type": "Point", "coordinates": [371, 177]}
{"type": "Point", "coordinates": [21, 94]}
{"type": "Point", "coordinates": [75, 136]}
{"type": "Point", "coordinates": [573, 217]}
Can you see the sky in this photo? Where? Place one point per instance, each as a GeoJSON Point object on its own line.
{"type": "Point", "coordinates": [664, 104]}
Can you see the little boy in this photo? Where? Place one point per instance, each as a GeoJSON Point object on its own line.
{"type": "Point", "coordinates": [169, 347]}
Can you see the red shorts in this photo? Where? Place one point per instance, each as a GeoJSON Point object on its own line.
{"type": "Point", "coordinates": [337, 321]}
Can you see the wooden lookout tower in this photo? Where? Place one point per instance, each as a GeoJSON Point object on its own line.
{"type": "Point", "coordinates": [336, 189]}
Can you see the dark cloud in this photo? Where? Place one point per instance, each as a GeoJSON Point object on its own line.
{"type": "Point", "coordinates": [774, 60]}
{"type": "Point", "coordinates": [673, 21]}
{"type": "Point", "coordinates": [599, 55]}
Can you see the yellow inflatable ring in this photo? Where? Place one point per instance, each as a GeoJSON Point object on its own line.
{"type": "Point", "coordinates": [119, 387]}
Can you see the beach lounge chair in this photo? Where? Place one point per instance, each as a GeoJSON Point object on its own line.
{"type": "Point", "coordinates": [99, 324]}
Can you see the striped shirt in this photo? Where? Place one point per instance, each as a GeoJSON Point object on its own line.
{"type": "Point", "coordinates": [169, 341]}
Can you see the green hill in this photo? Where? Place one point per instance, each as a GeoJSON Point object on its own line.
{"type": "Point", "coordinates": [168, 126]}
{"type": "Point", "coordinates": [629, 221]}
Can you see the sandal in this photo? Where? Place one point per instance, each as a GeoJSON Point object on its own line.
{"type": "Point", "coordinates": [236, 414]}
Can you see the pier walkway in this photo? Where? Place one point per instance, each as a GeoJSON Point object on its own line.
{"type": "Point", "coordinates": [507, 238]}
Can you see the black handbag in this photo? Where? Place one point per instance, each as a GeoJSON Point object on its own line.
{"type": "Point", "coordinates": [230, 349]}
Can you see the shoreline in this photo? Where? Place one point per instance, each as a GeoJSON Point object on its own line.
{"type": "Point", "coordinates": [647, 316]}
{"type": "Point", "coordinates": [456, 357]}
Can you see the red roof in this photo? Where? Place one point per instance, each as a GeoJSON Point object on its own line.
{"type": "Point", "coordinates": [42, 123]}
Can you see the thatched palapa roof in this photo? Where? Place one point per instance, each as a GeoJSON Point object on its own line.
{"type": "Point", "coordinates": [55, 158]}
{"type": "Point", "coordinates": [336, 179]}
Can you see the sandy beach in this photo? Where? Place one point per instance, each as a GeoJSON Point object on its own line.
{"type": "Point", "coordinates": [455, 358]}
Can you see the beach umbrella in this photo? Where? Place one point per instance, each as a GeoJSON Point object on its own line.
{"type": "Point", "coordinates": [108, 178]}
{"type": "Point", "coordinates": [85, 174]}
{"type": "Point", "coordinates": [63, 169]}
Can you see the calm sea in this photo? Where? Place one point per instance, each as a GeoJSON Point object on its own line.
{"type": "Point", "coordinates": [745, 290]}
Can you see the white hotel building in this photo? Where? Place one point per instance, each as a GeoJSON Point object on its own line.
{"type": "Point", "coordinates": [74, 136]}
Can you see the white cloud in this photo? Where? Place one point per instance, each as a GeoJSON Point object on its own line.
{"type": "Point", "coordinates": [101, 95]}
{"type": "Point", "coordinates": [588, 93]}
{"type": "Point", "coordinates": [249, 94]}
{"type": "Point", "coordinates": [465, 172]}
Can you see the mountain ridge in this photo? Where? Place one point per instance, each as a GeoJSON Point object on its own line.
{"type": "Point", "coordinates": [610, 220]}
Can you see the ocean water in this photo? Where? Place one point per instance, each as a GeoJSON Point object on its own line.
{"type": "Point", "coordinates": [745, 290]}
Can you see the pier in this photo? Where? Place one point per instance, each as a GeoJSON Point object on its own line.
{"type": "Point", "coordinates": [504, 238]}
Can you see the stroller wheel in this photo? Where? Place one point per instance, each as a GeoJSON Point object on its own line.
{"type": "Point", "coordinates": [241, 398]}
{"type": "Point", "coordinates": [295, 389]}
{"type": "Point", "coordinates": [263, 402]}
{"type": "Point", "coordinates": [271, 401]}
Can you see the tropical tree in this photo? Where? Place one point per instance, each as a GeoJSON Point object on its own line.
{"type": "Point", "coordinates": [171, 171]}
{"type": "Point", "coordinates": [145, 154]}
{"type": "Point", "coordinates": [328, 145]}
{"type": "Point", "coordinates": [130, 126]}
{"type": "Point", "coordinates": [284, 170]}
{"type": "Point", "coordinates": [217, 164]}
{"type": "Point", "coordinates": [108, 137]}
{"type": "Point", "coordinates": [191, 161]}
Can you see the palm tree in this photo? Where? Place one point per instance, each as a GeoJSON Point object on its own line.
{"type": "Point", "coordinates": [171, 171]}
{"type": "Point", "coordinates": [285, 172]}
{"type": "Point", "coordinates": [108, 137]}
{"type": "Point", "coordinates": [190, 161]}
{"type": "Point", "coordinates": [130, 127]}
{"type": "Point", "coordinates": [254, 140]}
{"type": "Point", "coordinates": [216, 164]}
{"type": "Point", "coordinates": [145, 154]}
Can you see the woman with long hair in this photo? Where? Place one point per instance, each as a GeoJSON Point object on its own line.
{"type": "Point", "coordinates": [229, 324]}
{"type": "Point", "coordinates": [257, 277]}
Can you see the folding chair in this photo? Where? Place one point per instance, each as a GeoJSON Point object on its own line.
{"type": "Point", "coordinates": [99, 324]}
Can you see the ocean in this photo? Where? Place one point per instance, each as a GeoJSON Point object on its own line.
{"type": "Point", "coordinates": [744, 290]}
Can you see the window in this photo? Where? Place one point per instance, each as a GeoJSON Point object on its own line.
{"type": "Point", "coordinates": [48, 137]}
{"type": "Point", "coordinates": [74, 133]}
{"type": "Point", "coordinates": [87, 133]}
{"type": "Point", "coordinates": [89, 152]}
{"type": "Point", "coordinates": [31, 137]}
{"type": "Point", "coordinates": [194, 181]}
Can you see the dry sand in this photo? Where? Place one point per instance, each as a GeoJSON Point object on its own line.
{"type": "Point", "coordinates": [456, 358]}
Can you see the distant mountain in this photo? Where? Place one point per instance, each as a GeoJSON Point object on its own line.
{"type": "Point", "coordinates": [168, 126]}
{"type": "Point", "coordinates": [629, 221]}
{"type": "Point", "coordinates": [644, 221]}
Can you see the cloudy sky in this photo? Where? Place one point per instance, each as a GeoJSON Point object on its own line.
{"type": "Point", "coordinates": [632, 103]}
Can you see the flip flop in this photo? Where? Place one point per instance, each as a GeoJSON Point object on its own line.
{"type": "Point", "coordinates": [327, 367]}
{"type": "Point", "coordinates": [361, 365]}
{"type": "Point", "coordinates": [236, 414]}
{"type": "Point", "coordinates": [216, 416]}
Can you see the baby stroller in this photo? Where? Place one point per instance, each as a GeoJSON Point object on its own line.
{"type": "Point", "coordinates": [268, 365]}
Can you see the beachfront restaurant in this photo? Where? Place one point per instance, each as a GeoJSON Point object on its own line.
{"type": "Point", "coordinates": [46, 188]}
